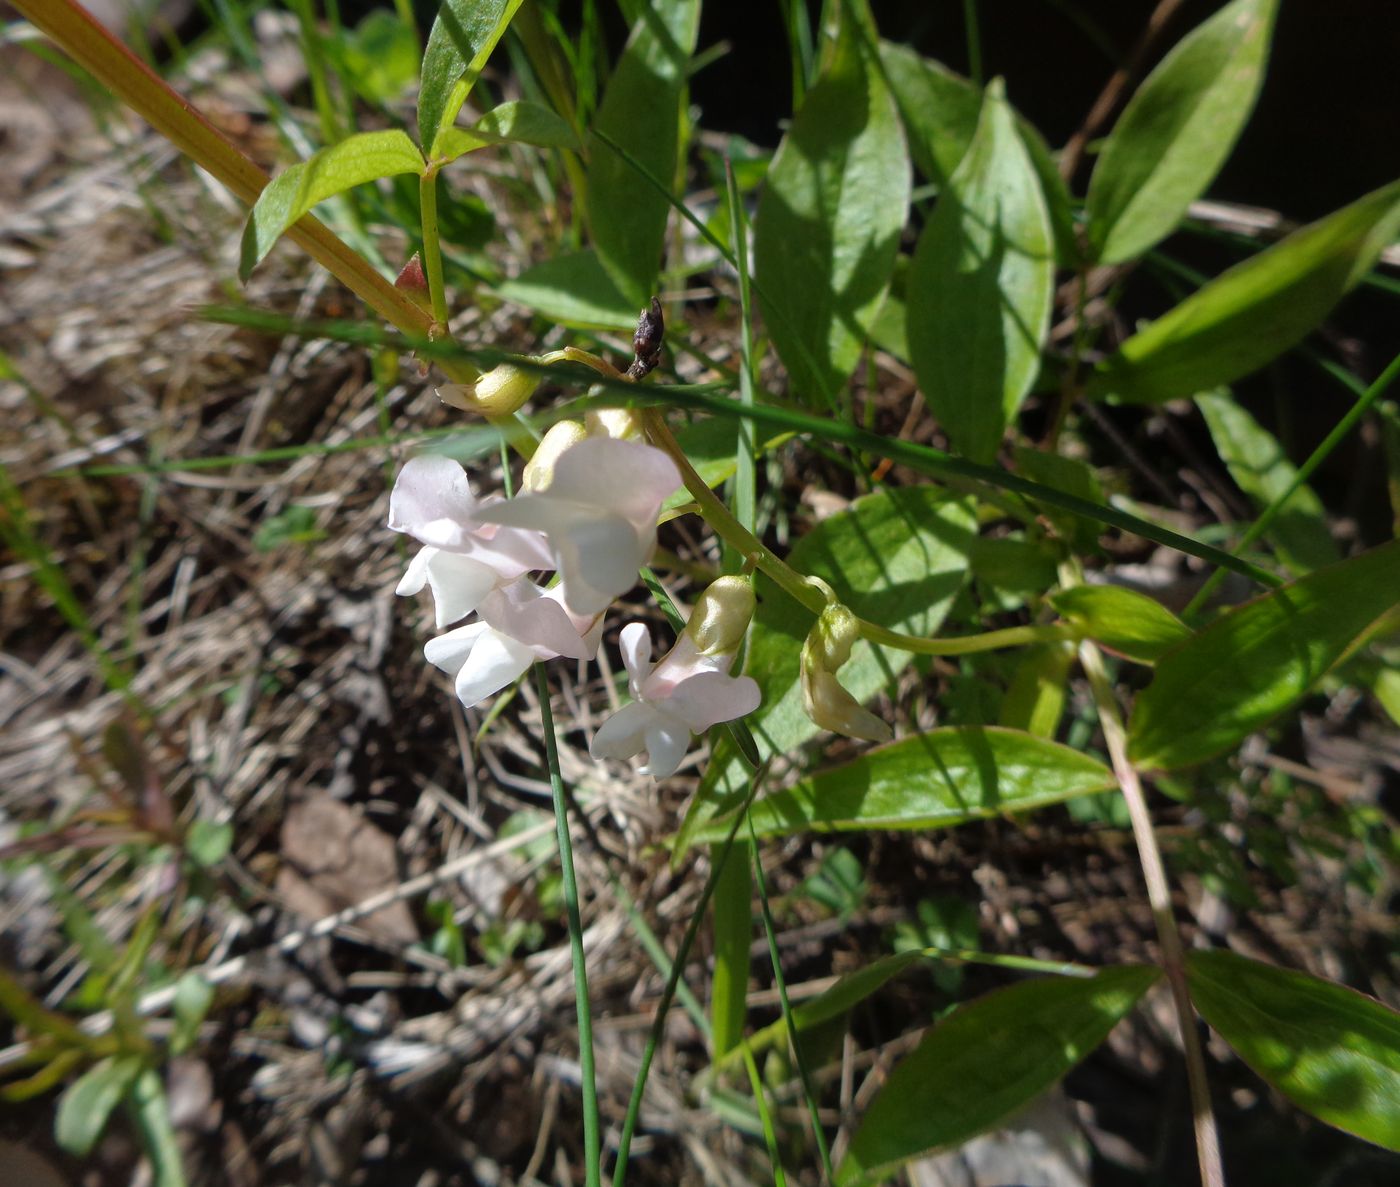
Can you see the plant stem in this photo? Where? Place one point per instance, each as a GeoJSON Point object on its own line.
{"type": "Point", "coordinates": [432, 247]}
{"type": "Point", "coordinates": [592, 1146]}
{"type": "Point", "coordinates": [1159, 899]}
{"type": "Point", "coordinates": [810, 595]}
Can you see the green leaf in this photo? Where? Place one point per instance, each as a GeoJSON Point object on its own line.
{"type": "Point", "coordinates": [1254, 311]}
{"type": "Point", "coordinates": [828, 224]}
{"type": "Point", "coordinates": [193, 997]}
{"type": "Point", "coordinates": [364, 157]}
{"type": "Point", "coordinates": [1130, 623]}
{"type": "Point", "coordinates": [641, 111]}
{"type": "Point", "coordinates": [1072, 476]}
{"type": "Point", "coordinates": [1260, 468]}
{"type": "Point", "coordinates": [1251, 664]}
{"type": "Point", "coordinates": [380, 58]}
{"type": "Point", "coordinates": [1333, 1052]}
{"type": "Point", "coordinates": [575, 290]}
{"type": "Point", "coordinates": [940, 110]}
{"type": "Point", "coordinates": [518, 122]}
{"type": "Point", "coordinates": [86, 1104]}
{"type": "Point", "coordinates": [938, 779]}
{"type": "Point", "coordinates": [1178, 130]}
{"type": "Point", "coordinates": [462, 38]}
{"type": "Point", "coordinates": [151, 1112]}
{"type": "Point", "coordinates": [986, 1061]}
{"type": "Point", "coordinates": [208, 842]}
{"type": "Point", "coordinates": [980, 286]}
{"type": "Point", "coordinates": [1035, 698]}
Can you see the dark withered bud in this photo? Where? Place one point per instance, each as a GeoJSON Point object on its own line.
{"type": "Point", "coordinates": [646, 342]}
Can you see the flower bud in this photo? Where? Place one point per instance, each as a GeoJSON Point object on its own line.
{"type": "Point", "coordinates": [830, 706]}
{"type": "Point", "coordinates": [620, 423]}
{"type": "Point", "coordinates": [499, 392]}
{"type": "Point", "coordinates": [539, 470]}
{"type": "Point", "coordinates": [721, 616]}
{"type": "Point", "coordinates": [414, 284]}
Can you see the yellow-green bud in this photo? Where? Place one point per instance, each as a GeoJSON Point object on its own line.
{"type": "Point", "coordinates": [830, 706]}
{"type": "Point", "coordinates": [621, 423]}
{"type": "Point", "coordinates": [721, 616]}
{"type": "Point", "coordinates": [499, 392]}
{"type": "Point", "coordinates": [539, 470]}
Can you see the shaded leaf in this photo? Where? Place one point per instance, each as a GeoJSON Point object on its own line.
{"type": "Point", "coordinates": [1035, 698]}
{"type": "Point", "coordinates": [362, 158]}
{"type": "Point", "coordinates": [1333, 1052]}
{"type": "Point", "coordinates": [1252, 663]}
{"type": "Point", "coordinates": [575, 290]}
{"type": "Point", "coordinates": [641, 112]}
{"type": "Point", "coordinates": [1260, 468]}
{"type": "Point", "coordinates": [1177, 130]}
{"type": "Point", "coordinates": [462, 38]}
{"type": "Point", "coordinates": [828, 224]}
{"type": "Point", "coordinates": [1254, 311]}
{"type": "Point", "coordinates": [151, 1111]}
{"type": "Point", "coordinates": [193, 997]}
{"type": "Point", "coordinates": [980, 286]}
{"type": "Point", "coordinates": [1123, 620]}
{"type": "Point", "coordinates": [937, 779]}
{"type": "Point", "coordinates": [986, 1061]}
{"type": "Point", "coordinates": [86, 1104]}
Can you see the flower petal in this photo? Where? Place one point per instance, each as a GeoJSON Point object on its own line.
{"type": "Point", "coordinates": [635, 642]}
{"type": "Point", "coordinates": [628, 477]}
{"type": "Point", "coordinates": [432, 501]}
{"type": "Point", "coordinates": [712, 697]}
{"type": "Point", "coordinates": [458, 583]}
{"type": "Point", "coordinates": [624, 733]}
{"type": "Point", "coordinates": [415, 577]}
{"type": "Point", "coordinates": [667, 742]}
{"type": "Point", "coordinates": [598, 558]}
{"type": "Point", "coordinates": [450, 651]}
{"type": "Point", "coordinates": [496, 661]}
{"type": "Point", "coordinates": [528, 615]}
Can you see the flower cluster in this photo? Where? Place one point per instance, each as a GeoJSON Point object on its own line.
{"type": "Point", "coordinates": [587, 510]}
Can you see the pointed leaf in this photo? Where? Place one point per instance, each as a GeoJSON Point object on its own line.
{"type": "Point", "coordinates": [984, 1063]}
{"type": "Point", "coordinates": [828, 224]}
{"type": "Point", "coordinates": [364, 157]}
{"type": "Point", "coordinates": [1123, 620]}
{"type": "Point", "coordinates": [938, 779]}
{"type": "Point", "coordinates": [1333, 1052]}
{"type": "Point", "coordinates": [524, 122]}
{"type": "Point", "coordinates": [640, 111]}
{"type": "Point", "coordinates": [462, 38]}
{"type": "Point", "coordinates": [86, 1104]}
{"type": "Point", "coordinates": [980, 286]}
{"type": "Point", "coordinates": [1178, 130]}
{"type": "Point", "coordinates": [575, 290]}
{"type": "Point", "coordinates": [1256, 310]}
{"type": "Point", "coordinates": [1260, 468]}
{"type": "Point", "coordinates": [1251, 664]}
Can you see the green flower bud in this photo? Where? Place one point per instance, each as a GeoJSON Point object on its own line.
{"type": "Point", "coordinates": [499, 392]}
{"type": "Point", "coordinates": [721, 616]}
{"type": "Point", "coordinates": [539, 470]}
{"type": "Point", "coordinates": [830, 706]}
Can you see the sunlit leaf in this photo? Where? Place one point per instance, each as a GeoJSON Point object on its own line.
{"type": "Point", "coordinates": [1123, 620]}
{"type": "Point", "coordinates": [828, 224]}
{"type": "Point", "coordinates": [1333, 1052]}
{"type": "Point", "coordinates": [980, 286]}
{"type": "Point", "coordinates": [937, 779]}
{"type": "Point", "coordinates": [1178, 130]}
{"type": "Point", "coordinates": [359, 159]}
{"type": "Point", "coordinates": [985, 1062]}
{"type": "Point", "coordinates": [574, 289]}
{"type": "Point", "coordinates": [518, 121]}
{"type": "Point", "coordinates": [641, 112]}
{"type": "Point", "coordinates": [1252, 663]}
{"type": "Point", "coordinates": [1256, 310]}
{"type": "Point", "coordinates": [462, 38]}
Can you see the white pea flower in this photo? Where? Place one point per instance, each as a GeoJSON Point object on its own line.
{"type": "Point", "coordinates": [519, 623]}
{"type": "Point", "coordinates": [689, 690]}
{"type": "Point", "coordinates": [599, 512]}
{"type": "Point", "coordinates": [464, 557]}
{"type": "Point", "coordinates": [824, 699]}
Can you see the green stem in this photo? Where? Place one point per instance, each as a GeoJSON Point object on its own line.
{"type": "Point", "coordinates": [804, 590]}
{"type": "Point", "coordinates": [1305, 471]}
{"type": "Point", "coordinates": [432, 247]}
{"type": "Point", "coordinates": [592, 1147]}
{"type": "Point", "coordinates": [974, 42]}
